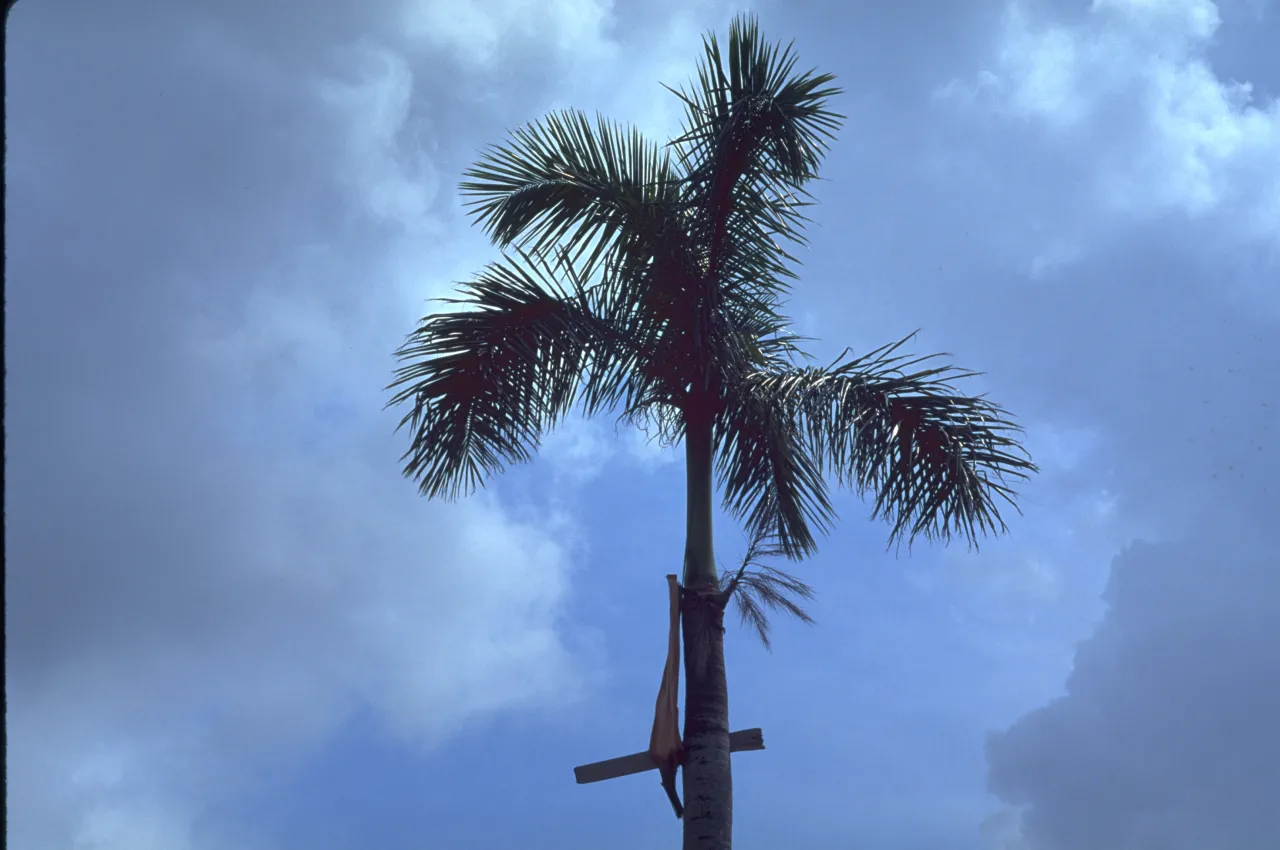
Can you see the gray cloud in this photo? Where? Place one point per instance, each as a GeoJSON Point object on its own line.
{"type": "Point", "coordinates": [222, 218]}
{"type": "Point", "coordinates": [220, 221]}
{"type": "Point", "coordinates": [1085, 208]}
{"type": "Point", "coordinates": [210, 558]}
{"type": "Point", "coordinates": [1165, 736]}
{"type": "Point", "coordinates": [1146, 309]}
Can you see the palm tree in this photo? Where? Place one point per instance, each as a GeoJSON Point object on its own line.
{"type": "Point", "coordinates": [648, 281]}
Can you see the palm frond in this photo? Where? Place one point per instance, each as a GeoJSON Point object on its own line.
{"type": "Point", "coordinates": [755, 131]}
{"type": "Point", "coordinates": [487, 381]}
{"type": "Point", "coordinates": [754, 112]}
{"type": "Point", "coordinates": [759, 589]}
{"type": "Point", "coordinates": [770, 480]}
{"type": "Point", "coordinates": [587, 186]}
{"type": "Point", "coordinates": [939, 463]}
{"type": "Point", "coordinates": [651, 280]}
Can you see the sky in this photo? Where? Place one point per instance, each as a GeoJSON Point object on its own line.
{"type": "Point", "coordinates": [232, 625]}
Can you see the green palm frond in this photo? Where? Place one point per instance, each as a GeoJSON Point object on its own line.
{"type": "Point", "coordinates": [755, 133]}
{"type": "Point", "coordinates": [759, 589]}
{"type": "Point", "coordinates": [585, 186]}
{"type": "Point", "coordinates": [751, 112]}
{"type": "Point", "coordinates": [938, 462]}
{"type": "Point", "coordinates": [485, 382]}
{"type": "Point", "coordinates": [771, 482]}
{"type": "Point", "coordinates": [650, 281]}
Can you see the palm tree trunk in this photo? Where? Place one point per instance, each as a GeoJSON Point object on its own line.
{"type": "Point", "coordinates": [708, 784]}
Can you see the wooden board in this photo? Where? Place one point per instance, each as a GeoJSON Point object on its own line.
{"type": "Point", "coordinates": [742, 740]}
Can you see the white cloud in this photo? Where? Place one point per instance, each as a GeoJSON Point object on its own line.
{"type": "Point", "coordinates": [1134, 76]}
{"type": "Point", "coordinates": [317, 608]}
{"type": "Point", "coordinates": [387, 161]}
{"type": "Point", "coordinates": [140, 824]}
{"type": "Point", "coordinates": [578, 449]}
{"type": "Point", "coordinates": [1057, 256]}
{"type": "Point", "coordinates": [477, 30]}
{"type": "Point", "coordinates": [648, 451]}
{"type": "Point", "coordinates": [1177, 25]}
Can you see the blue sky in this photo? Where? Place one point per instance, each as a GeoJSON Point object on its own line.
{"type": "Point", "coordinates": [232, 625]}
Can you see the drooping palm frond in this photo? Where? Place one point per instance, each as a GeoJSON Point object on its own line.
{"type": "Point", "coordinates": [770, 480]}
{"type": "Point", "coordinates": [487, 381]}
{"type": "Point", "coordinates": [938, 462]}
{"type": "Point", "coordinates": [759, 589]}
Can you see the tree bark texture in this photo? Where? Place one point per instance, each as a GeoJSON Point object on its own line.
{"type": "Point", "coordinates": [707, 780]}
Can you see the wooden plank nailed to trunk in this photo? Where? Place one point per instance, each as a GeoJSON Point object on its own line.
{"type": "Point", "coordinates": [740, 741]}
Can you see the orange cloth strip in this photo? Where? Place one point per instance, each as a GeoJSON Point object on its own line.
{"type": "Point", "coordinates": [665, 746]}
